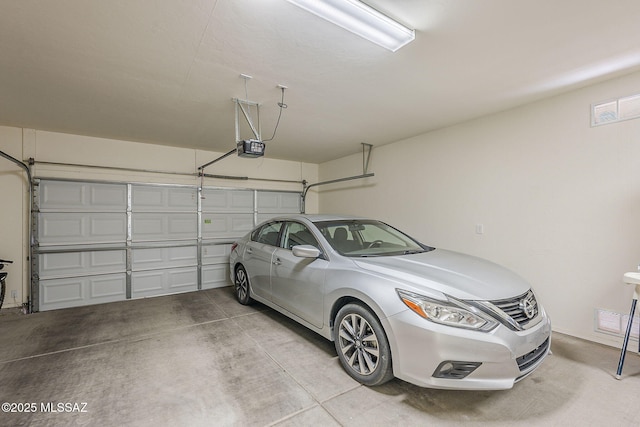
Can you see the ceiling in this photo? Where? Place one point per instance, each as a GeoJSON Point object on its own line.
{"type": "Point", "coordinates": [166, 71]}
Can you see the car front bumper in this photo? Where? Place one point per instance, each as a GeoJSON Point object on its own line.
{"type": "Point", "coordinates": [502, 356]}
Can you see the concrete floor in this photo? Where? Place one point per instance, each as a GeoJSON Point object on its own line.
{"type": "Point", "coordinates": [201, 359]}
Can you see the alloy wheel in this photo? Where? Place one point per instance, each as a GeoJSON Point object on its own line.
{"type": "Point", "coordinates": [359, 344]}
{"type": "Point", "coordinates": [242, 286]}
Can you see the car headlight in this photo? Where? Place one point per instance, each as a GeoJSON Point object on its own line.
{"type": "Point", "coordinates": [451, 312]}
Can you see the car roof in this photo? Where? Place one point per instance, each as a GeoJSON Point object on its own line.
{"type": "Point", "coordinates": [317, 217]}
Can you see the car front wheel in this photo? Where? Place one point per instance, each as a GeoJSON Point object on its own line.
{"type": "Point", "coordinates": [242, 286]}
{"type": "Point", "coordinates": [362, 345]}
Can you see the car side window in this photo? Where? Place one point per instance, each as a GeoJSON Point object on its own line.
{"type": "Point", "coordinates": [268, 234]}
{"type": "Point", "coordinates": [298, 234]}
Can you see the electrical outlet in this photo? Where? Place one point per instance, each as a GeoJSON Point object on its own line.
{"type": "Point", "coordinates": [14, 294]}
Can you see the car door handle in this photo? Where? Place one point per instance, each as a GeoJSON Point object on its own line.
{"type": "Point", "coordinates": [249, 250]}
{"type": "Point", "coordinates": [277, 261]}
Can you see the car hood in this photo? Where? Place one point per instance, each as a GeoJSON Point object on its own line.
{"type": "Point", "coordinates": [458, 275]}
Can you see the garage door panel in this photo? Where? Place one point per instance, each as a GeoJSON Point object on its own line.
{"type": "Point", "coordinates": [79, 196]}
{"type": "Point", "coordinates": [219, 200]}
{"type": "Point", "coordinates": [215, 254]}
{"type": "Point", "coordinates": [61, 195]}
{"type": "Point", "coordinates": [51, 263]}
{"type": "Point", "coordinates": [147, 225]}
{"type": "Point", "coordinates": [107, 196]}
{"type": "Point", "coordinates": [215, 276]}
{"type": "Point", "coordinates": [268, 201]}
{"type": "Point", "coordinates": [113, 260]}
{"type": "Point", "coordinates": [278, 202]}
{"type": "Point", "coordinates": [184, 226]}
{"type": "Point", "coordinates": [214, 224]}
{"type": "Point", "coordinates": [226, 225]}
{"type": "Point", "coordinates": [214, 201]}
{"type": "Point", "coordinates": [152, 258]}
{"type": "Point", "coordinates": [106, 287]}
{"type": "Point", "coordinates": [158, 226]}
{"type": "Point", "coordinates": [81, 263]}
{"type": "Point", "coordinates": [161, 282]}
{"type": "Point", "coordinates": [146, 283]}
{"type": "Point", "coordinates": [241, 201]}
{"type": "Point", "coordinates": [182, 280]}
{"type": "Point", "coordinates": [111, 227]}
{"type": "Point", "coordinates": [163, 198]}
{"type": "Point", "coordinates": [57, 228]}
{"type": "Point", "coordinates": [80, 291]}
{"type": "Point", "coordinates": [65, 291]}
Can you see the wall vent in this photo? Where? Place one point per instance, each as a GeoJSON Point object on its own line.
{"type": "Point", "coordinates": [615, 110]}
{"type": "Point", "coordinates": [612, 323]}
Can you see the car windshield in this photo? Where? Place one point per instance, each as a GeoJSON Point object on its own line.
{"type": "Point", "coordinates": [362, 238]}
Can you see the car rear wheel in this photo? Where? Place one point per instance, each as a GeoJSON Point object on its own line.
{"type": "Point", "coordinates": [242, 286]}
{"type": "Point", "coordinates": [362, 345]}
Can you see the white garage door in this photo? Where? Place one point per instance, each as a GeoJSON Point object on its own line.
{"type": "Point", "coordinates": [101, 242]}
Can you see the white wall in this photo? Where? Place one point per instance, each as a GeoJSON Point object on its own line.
{"type": "Point", "coordinates": [179, 165]}
{"type": "Point", "coordinates": [559, 200]}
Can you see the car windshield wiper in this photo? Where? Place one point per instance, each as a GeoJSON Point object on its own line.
{"type": "Point", "coordinates": [413, 251]}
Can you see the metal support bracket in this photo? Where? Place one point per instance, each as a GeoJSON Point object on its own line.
{"type": "Point", "coordinates": [365, 163]}
{"type": "Point", "coordinates": [365, 174]}
{"type": "Point", "coordinates": [240, 107]}
{"type": "Point", "coordinates": [241, 104]}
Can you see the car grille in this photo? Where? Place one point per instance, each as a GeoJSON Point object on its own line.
{"type": "Point", "coordinates": [531, 358]}
{"type": "Point", "coordinates": [522, 309]}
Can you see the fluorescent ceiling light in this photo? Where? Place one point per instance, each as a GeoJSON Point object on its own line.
{"type": "Point", "coordinates": [360, 19]}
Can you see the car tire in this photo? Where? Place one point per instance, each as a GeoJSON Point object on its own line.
{"type": "Point", "coordinates": [362, 345]}
{"type": "Point", "coordinates": [242, 287]}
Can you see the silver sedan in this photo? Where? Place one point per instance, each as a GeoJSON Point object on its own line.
{"type": "Point", "coordinates": [393, 306]}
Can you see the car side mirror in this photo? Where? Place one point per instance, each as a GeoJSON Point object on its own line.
{"type": "Point", "coordinates": [306, 251]}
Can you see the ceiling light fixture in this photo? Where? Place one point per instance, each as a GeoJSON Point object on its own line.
{"type": "Point", "coordinates": [360, 19]}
